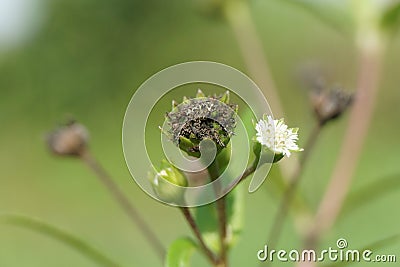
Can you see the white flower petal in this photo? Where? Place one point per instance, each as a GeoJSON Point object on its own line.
{"type": "Point", "coordinates": [277, 136]}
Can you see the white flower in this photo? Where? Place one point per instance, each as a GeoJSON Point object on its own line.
{"type": "Point", "coordinates": [276, 136]}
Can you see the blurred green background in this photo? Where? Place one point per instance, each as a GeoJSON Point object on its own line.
{"type": "Point", "coordinates": [85, 58]}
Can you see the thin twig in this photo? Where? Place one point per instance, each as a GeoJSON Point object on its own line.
{"type": "Point", "coordinates": [189, 218]}
{"type": "Point", "coordinates": [124, 202]}
{"type": "Point", "coordinates": [356, 132]}
{"type": "Point", "coordinates": [247, 172]}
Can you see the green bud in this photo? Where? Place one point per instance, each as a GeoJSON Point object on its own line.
{"type": "Point", "coordinates": [165, 181]}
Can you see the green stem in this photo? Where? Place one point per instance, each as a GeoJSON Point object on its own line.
{"type": "Point", "coordinates": [60, 235]}
{"type": "Point", "coordinates": [213, 170]}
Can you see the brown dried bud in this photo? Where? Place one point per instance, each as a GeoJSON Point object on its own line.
{"type": "Point", "coordinates": [202, 118]}
{"type": "Point", "coordinates": [68, 140]}
{"type": "Point", "coordinates": [330, 104]}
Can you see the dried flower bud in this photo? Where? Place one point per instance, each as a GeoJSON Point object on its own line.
{"type": "Point", "coordinates": [68, 140]}
{"type": "Point", "coordinates": [165, 183]}
{"type": "Point", "coordinates": [201, 118]}
{"type": "Point", "coordinates": [330, 104]}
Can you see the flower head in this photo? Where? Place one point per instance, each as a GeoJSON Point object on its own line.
{"type": "Point", "coordinates": [200, 118]}
{"type": "Point", "coordinates": [276, 136]}
{"type": "Point", "coordinates": [330, 104]}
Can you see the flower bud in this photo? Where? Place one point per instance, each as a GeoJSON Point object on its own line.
{"type": "Point", "coordinates": [68, 140]}
{"type": "Point", "coordinates": [169, 183]}
{"type": "Point", "coordinates": [330, 104]}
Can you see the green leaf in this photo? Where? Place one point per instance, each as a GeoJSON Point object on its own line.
{"type": "Point", "coordinates": [206, 218]}
{"type": "Point", "coordinates": [371, 192]}
{"type": "Point", "coordinates": [180, 252]}
{"type": "Point", "coordinates": [391, 18]}
{"type": "Point", "coordinates": [59, 235]}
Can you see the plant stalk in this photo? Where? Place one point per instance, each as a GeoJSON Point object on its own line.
{"type": "Point", "coordinates": [189, 218]}
{"type": "Point", "coordinates": [213, 171]}
{"type": "Point", "coordinates": [370, 61]}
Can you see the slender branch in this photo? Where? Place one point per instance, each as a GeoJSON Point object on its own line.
{"type": "Point", "coordinates": [189, 218]}
{"type": "Point", "coordinates": [124, 202]}
{"type": "Point", "coordinates": [359, 121]}
{"type": "Point", "coordinates": [277, 226]}
{"type": "Point", "coordinates": [60, 235]}
{"type": "Point", "coordinates": [355, 135]}
{"type": "Point", "coordinates": [213, 171]}
{"type": "Point", "coordinates": [247, 172]}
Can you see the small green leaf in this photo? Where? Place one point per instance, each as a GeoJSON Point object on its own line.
{"type": "Point", "coordinates": [180, 252]}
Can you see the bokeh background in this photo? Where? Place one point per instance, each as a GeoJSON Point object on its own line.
{"type": "Point", "coordinates": [85, 59]}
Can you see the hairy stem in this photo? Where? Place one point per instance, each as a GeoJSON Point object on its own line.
{"type": "Point", "coordinates": [124, 202]}
{"type": "Point", "coordinates": [189, 218]}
